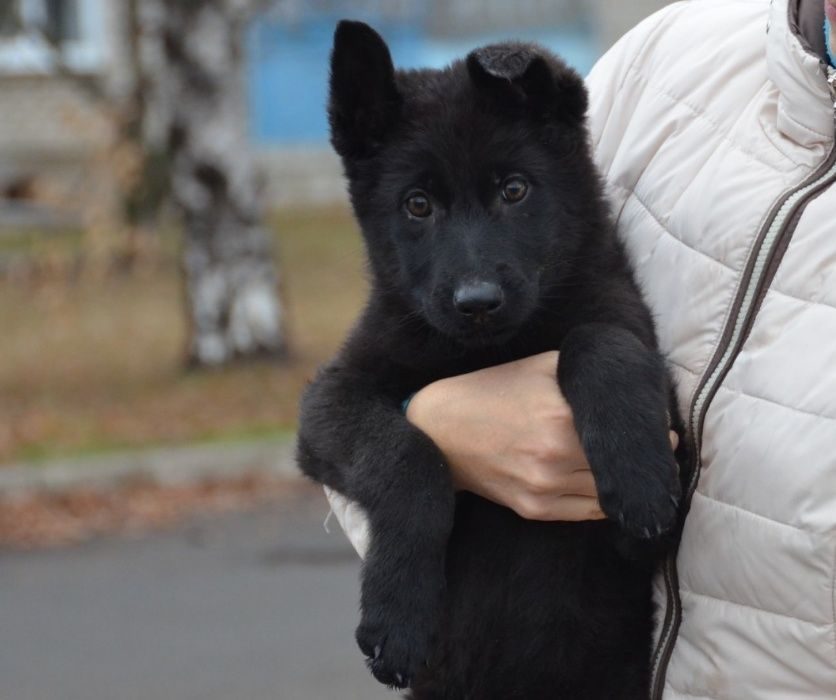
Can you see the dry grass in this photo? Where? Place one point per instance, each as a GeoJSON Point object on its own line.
{"type": "Point", "coordinates": [95, 364]}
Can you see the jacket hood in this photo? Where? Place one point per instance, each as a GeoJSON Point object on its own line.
{"type": "Point", "coordinates": [806, 19]}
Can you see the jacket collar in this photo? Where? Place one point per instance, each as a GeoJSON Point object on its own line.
{"type": "Point", "coordinates": [805, 108]}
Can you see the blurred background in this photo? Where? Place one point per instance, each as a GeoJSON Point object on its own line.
{"type": "Point", "coordinates": [176, 258]}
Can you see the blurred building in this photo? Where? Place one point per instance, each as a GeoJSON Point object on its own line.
{"type": "Point", "coordinates": [51, 126]}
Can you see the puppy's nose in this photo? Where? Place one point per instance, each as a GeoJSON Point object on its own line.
{"type": "Point", "coordinates": [478, 298]}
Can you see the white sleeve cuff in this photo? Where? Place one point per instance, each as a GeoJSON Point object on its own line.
{"type": "Point", "coordinates": [352, 519]}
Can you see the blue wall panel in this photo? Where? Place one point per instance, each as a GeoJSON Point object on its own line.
{"type": "Point", "coordinates": [288, 69]}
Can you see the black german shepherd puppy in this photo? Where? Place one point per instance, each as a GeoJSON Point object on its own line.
{"type": "Point", "coordinates": [489, 240]}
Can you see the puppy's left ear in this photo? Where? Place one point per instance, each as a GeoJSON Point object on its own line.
{"type": "Point", "coordinates": [364, 102]}
{"type": "Point", "coordinates": [529, 77]}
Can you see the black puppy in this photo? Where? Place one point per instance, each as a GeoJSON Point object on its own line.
{"type": "Point", "coordinates": [489, 240]}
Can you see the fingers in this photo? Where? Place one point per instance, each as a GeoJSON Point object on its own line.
{"type": "Point", "coordinates": [552, 480]}
{"type": "Point", "coordinates": [566, 508]}
{"type": "Point", "coordinates": [674, 439]}
{"type": "Point", "coordinates": [580, 483]}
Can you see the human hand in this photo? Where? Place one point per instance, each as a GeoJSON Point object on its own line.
{"type": "Point", "coordinates": [508, 436]}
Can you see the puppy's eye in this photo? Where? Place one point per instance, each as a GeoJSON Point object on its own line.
{"type": "Point", "coordinates": [418, 205]}
{"type": "Point", "coordinates": [514, 189]}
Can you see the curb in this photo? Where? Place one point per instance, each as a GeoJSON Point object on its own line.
{"type": "Point", "coordinates": [165, 466]}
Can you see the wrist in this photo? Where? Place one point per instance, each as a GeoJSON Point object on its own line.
{"type": "Point", "coordinates": [421, 406]}
{"type": "Point", "coordinates": [425, 410]}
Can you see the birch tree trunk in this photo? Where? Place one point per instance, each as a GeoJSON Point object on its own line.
{"type": "Point", "coordinates": [231, 282]}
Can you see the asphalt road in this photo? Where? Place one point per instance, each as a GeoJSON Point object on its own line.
{"type": "Point", "coordinates": [258, 606]}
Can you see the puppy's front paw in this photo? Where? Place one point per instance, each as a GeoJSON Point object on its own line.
{"type": "Point", "coordinates": [644, 500]}
{"type": "Point", "coordinates": [396, 648]}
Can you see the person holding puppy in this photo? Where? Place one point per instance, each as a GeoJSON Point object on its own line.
{"type": "Point", "coordinates": [713, 123]}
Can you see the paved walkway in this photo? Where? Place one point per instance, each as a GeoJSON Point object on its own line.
{"type": "Point", "coordinates": [258, 606]}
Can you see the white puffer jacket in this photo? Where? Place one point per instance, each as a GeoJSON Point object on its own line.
{"type": "Point", "coordinates": [717, 140]}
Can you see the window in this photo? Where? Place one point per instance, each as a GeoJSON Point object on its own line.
{"type": "Point", "coordinates": [61, 19]}
{"type": "Point", "coordinates": [76, 25]}
{"type": "Point", "coordinates": [9, 19]}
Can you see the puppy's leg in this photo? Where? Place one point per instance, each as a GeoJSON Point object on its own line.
{"type": "Point", "coordinates": [355, 439]}
{"type": "Point", "coordinates": [618, 390]}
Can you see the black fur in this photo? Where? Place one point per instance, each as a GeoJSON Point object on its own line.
{"type": "Point", "coordinates": [462, 598]}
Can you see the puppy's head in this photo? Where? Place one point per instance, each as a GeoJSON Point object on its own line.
{"type": "Point", "coordinates": [473, 185]}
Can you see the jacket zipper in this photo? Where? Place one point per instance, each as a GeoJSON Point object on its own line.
{"type": "Point", "coordinates": [763, 262]}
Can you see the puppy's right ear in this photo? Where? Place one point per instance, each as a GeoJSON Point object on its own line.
{"type": "Point", "coordinates": [364, 102]}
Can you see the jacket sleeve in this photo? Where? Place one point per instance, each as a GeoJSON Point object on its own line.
{"type": "Point", "coordinates": [352, 520]}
